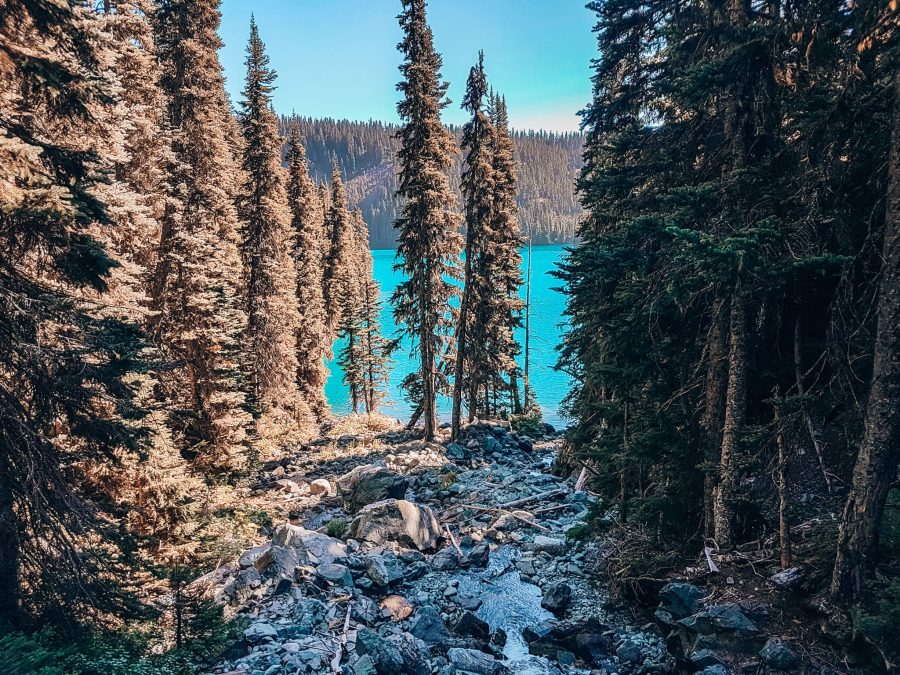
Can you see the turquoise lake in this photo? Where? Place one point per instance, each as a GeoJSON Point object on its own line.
{"type": "Point", "coordinates": [550, 386]}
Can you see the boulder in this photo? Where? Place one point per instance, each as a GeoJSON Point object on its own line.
{"type": "Point", "coordinates": [557, 597]}
{"type": "Point", "coordinates": [790, 579]}
{"type": "Point", "coordinates": [456, 452]}
{"type": "Point", "coordinates": [278, 562]}
{"type": "Point", "coordinates": [550, 545]}
{"type": "Point", "coordinates": [720, 618]}
{"type": "Point", "coordinates": [479, 555]}
{"type": "Point", "coordinates": [397, 520]}
{"type": "Point", "coordinates": [260, 632]}
{"type": "Point", "coordinates": [473, 661]}
{"type": "Point", "coordinates": [368, 484]}
{"type": "Point", "coordinates": [428, 626]}
{"type": "Point", "coordinates": [383, 569]}
{"type": "Point", "coordinates": [335, 573]}
{"type": "Point", "coordinates": [681, 599]}
{"type": "Point", "coordinates": [243, 587]}
{"type": "Point", "coordinates": [312, 547]}
{"type": "Point", "coordinates": [629, 652]}
{"type": "Point", "coordinates": [470, 625]}
{"type": "Point", "coordinates": [446, 559]}
{"type": "Point", "coordinates": [397, 607]}
{"type": "Point", "coordinates": [414, 652]}
{"type": "Point", "coordinates": [778, 655]}
{"type": "Point", "coordinates": [321, 486]}
{"type": "Point", "coordinates": [386, 656]}
{"type": "Point", "coordinates": [249, 557]}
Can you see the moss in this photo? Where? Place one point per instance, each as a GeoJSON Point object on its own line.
{"type": "Point", "coordinates": [337, 528]}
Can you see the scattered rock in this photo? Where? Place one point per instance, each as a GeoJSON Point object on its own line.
{"type": "Point", "coordinates": [681, 599]}
{"type": "Point", "coordinates": [778, 655]}
{"type": "Point", "coordinates": [478, 556]}
{"type": "Point", "coordinates": [336, 574]}
{"type": "Point", "coordinates": [428, 626]}
{"type": "Point", "coordinates": [790, 579]}
{"type": "Point", "coordinates": [260, 632]}
{"type": "Point", "coordinates": [398, 520]}
{"type": "Point", "coordinates": [557, 597]}
{"type": "Point", "coordinates": [551, 545]}
{"type": "Point", "coordinates": [243, 587]}
{"type": "Point", "coordinates": [368, 484]}
{"type": "Point", "coordinates": [446, 559]}
{"type": "Point", "coordinates": [386, 656]}
{"type": "Point", "coordinates": [249, 557]}
{"type": "Point", "coordinates": [397, 607]}
{"type": "Point", "coordinates": [471, 626]}
{"type": "Point", "coordinates": [312, 547]}
{"type": "Point", "coordinates": [473, 661]}
{"type": "Point", "coordinates": [629, 652]}
{"type": "Point", "coordinates": [277, 562]}
{"type": "Point", "coordinates": [321, 486]}
{"type": "Point", "coordinates": [720, 618]}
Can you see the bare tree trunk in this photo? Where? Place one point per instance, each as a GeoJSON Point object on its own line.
{"type": "Point", "coordinates": [735, 412]}
{"type": "Point", "coordinates": [460, 352]}
{"type": "Point", "coordinates": [814, 434]}
{"type": "Point", "coordinates": [714, 408]}
{"type": "Point", "coordinates": [784, 527]}
{"type": "Point", "coordinates": [10, 604]}
{"type": "Point", "coordinates": [526, 382]}
{"type": "Point", "coordinates": [876, 463]}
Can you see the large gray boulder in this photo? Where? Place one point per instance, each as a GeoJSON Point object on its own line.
{"type": "Point", "coordinates": [312, 548]}
{"type": "Point", "coordinates": [428, 626]}
{"type": "Point", "coordinates": [368, 484]}
{"type": "Point", "coordinates": [243, 587]}
{"type": "Point", "coordinates": [473, 661]}
{"type": "Point", "coordinates": [681, 599]}
{"type": "Point", "coordinates": [278, 562]}
{"type": "Point", "coordinates": [397, 520]}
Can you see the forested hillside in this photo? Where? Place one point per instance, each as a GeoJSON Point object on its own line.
{"type": "Point", "coordinates": [547, 163]}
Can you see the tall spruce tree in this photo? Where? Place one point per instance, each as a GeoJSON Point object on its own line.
{"type": "Point", "coordinates": [309, 228]}
{"type": "Point", "coordinates": [63, 400]}
{"type": "Point", "coordinates": [428, 243]}
{"type": "Point", "coordinates": [273, 317]}
{"type": "Point", "coordinates": [340, 276]}
{"type": "Point", "coordinates": [507, 259]}
{"type": "Point", "coordinates": [478, 186]}
{"type": "Point", "coordinates": [197, 283]}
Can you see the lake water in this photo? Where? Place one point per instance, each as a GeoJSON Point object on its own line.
{"type": "Point", "coordinates": [550, 386]}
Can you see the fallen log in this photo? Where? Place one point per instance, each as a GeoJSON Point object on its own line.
{"type": "Point", "coordinates": [492, 509]}
{"type": "Point", "coordinates": [540, 495]}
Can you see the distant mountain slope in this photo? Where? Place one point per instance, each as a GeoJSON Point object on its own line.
{"type": "Point", "coordinates": [548, 164]}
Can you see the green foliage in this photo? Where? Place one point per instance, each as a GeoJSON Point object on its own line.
{"type": "Point", "coordinates": [878, 620]}
{"type": "Point", "coordinates": [337, 528]}
{"type": "Point", "coordinates": [530, 423]}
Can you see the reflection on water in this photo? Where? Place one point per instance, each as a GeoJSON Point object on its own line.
{"type": "Point", "coordinates": [547, 304]}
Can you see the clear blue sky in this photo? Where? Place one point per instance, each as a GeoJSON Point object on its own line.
{"type": "Point", "coordinates": [338, 58]}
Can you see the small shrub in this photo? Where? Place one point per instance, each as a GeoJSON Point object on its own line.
{"type": "Point", "coordinates": [337, 528]}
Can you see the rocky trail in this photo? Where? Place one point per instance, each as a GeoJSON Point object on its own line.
{"type": "Point", "coordinates": [411, 558]}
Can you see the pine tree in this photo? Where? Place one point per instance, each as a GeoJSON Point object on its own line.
{"type": "Point", "coordinates": [198, 280]}
{"type": "Point", "coordinates": [309, 228]}
{"type": "Point", "coordinates": [507, 260]}
{"type": "Point", "coordinates": [273, 317]}
{"type": "Point", "coordinates": [478, 185]}
{"type": "Point", "coordinates": [428, 242]}
{"type": "Point", "coordinates": [62, 361]}
{"type": "Point", "coordinates": [340, 276]}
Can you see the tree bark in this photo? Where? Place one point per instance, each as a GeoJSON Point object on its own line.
{"type": "Point", "coordinates": [784, 526]}
{"type": "Point", "coordinates": [735, 412]}
{"type": "Point", "coordinates": [460, 352]}
{"type": "Point", "coordinates": [10, 605]}
{"type": "Point", "coordinates": [876, 463]}
{"type": "Point", "coordinates": [714, 409]}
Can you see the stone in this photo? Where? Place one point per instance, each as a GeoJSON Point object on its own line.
{"type": "Point", "coordinates": [629, 652]}
{"type": "Point", "coordinates": [321, 486]}
{"type": "Point", "coordinates": [716, 618]}
{"type": "Point", "coordinates": [287, 486]}
{"type": "Point", "coordinates": [242, 588]}
{"type": "Point", "coordinates": [557, 597]}
{"type": "Point", "coordinates": [386, 656]}
{"type": "Point", "coordinates": [250, 556]}
{"type": "Point", "coordinates": [456, 452]}
{"type": "Point", "coordinates": [446, 559]}
{"type": "Point", "coordinates": [471, 626]}
{"type": "Point", "coordinates": [397, 520]}
{"type": "Point", "coordinates": [703, 658]}
{"type": "Point", "coordinates": [364, 666]}
{"type": "Point", "coordinates": [778, 655]}
{"type": "Point", "coordinates": [681, 599]}
{"type": "Point", "coordinates": [790, 579]}
{"type": "Point", "coordinates": [414, 652]}
{"type": "Point", "coordinates": [335, 573]}
{"type": "Point", "coordinates": [428, 626]}
{"type": "Point", "coordinates": [260, 632]}
{"type": "Point", "coordinates": [473, 661]}
{"type": "Point", "coordinates": [716, 669]}
{"type": "Point", "coordinates": [368, 484]}
{"type": "Point", "coordinates": [278, 562]}
{"type": "Point", "coordinates": [397, 607]}
{"type": "Point", "coordinates": [383, 570]}
{"type": "Point", "coordinates": [551, 545]}
{"type": "Point", "coordinates": [479, 555]}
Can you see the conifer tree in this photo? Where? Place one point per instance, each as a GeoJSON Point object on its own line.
{"type": "Point", "coordinates": [62, 361]}
{"type": "Point", "coordinates": [309, 227]}
{"type": "Point", "coordinates": [340, 276]}
{"type": "Point", "coordinates": [507, 259]}
{"type": "Point", "coordinates": [198, 279]}
{"type": "Point", "coordinates": [478, 187]}
{"type": "Point", "coordinates": [428, 243]}
{"type": "Point", "coordinates": [273, 317]}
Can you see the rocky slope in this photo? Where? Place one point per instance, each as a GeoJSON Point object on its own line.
{"type": "Point", "coordinates": [407, 558]}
